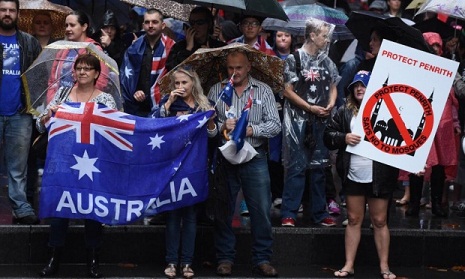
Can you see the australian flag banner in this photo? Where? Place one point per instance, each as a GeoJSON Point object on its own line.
{"type": "Point", "coordinates": [239, 132]}
{"type": "Point", "coordinates": [228, 91]}
{"type": "Point", "coordinates": [115, 168]}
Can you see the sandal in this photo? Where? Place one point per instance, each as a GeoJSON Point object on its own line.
{"type": "Point", "coordinates": [343, 273]}
{"type": "Point", "coordinates": [388, 275]}
{"type": "Point", "coordinates": [187, 271]}
{"type": "Point", "coordinates": [170, 271]}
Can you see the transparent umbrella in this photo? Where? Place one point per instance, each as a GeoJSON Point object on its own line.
{"type": "Point", "coordinates": [54, 68]}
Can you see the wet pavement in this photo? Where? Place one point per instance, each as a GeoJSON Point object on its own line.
{"type": "Point", "coordinates": [399, 225]}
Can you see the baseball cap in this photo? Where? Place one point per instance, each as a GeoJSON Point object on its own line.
{"type": "Point", "coordinates": [362, 76]}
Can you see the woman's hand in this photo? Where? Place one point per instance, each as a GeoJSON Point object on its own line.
{"type": "Point", "coordinates": [52, 109]}
{"type": "Point", "coordinates": [353, 139]}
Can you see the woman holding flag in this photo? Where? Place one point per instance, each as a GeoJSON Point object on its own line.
{"type": "Point", "coordinates": [186, 97]}
{"type": "Point", "coordinates": [87, 70]}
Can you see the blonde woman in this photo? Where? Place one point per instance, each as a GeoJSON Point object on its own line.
{"type": "Point", "coordinates": [186, 97]}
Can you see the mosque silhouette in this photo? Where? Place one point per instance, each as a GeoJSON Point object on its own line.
{"type": "Point", "coordinates": [390, 134]}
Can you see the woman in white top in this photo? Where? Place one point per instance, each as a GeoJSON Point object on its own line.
{"type": "Point", "coordinates": [364, 181]}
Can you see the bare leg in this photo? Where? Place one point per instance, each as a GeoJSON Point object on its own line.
{"type": "Point", "coordinates": [355, 214]}
{"type": "Point", "coordinates": [378, 215]}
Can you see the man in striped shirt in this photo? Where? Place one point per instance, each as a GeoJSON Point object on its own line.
{"type": "Point", "coordinates": [252, 176]}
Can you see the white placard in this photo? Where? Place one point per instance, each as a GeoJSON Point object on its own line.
{"type": "Point", "coordinates": [402, 106]}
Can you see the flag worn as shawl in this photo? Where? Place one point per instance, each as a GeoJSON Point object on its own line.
{"type": "Point", "coordinates": [130, 71]}
{"type": "Point", "coordinates": [114, 168]}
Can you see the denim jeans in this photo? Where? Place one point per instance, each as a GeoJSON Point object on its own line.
{"type": "Point", "coordinates": [15, 131]}
{"type": "Point", "coordinates": [59, 227]}
{"type": "Point", "coordinates": [253, 177]}
{"type": "Point", "coordinates": [187, 217]}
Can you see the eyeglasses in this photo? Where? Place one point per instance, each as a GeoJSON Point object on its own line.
{"type": "Point", "coordinates": [86, 69]}
{"type": "Point", "coordinates": [250, 23]}
{"type": "Point", "coordinates": [197, 22]}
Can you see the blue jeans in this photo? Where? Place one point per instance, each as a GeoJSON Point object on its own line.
{"type": "Point", "coordinates": [253, 177]}
{"type": "Point", "coordinates": [174, 218]}
{"type": "Point", "coordinates": [15, 131]}
{"type": "Point", "coordinates": [59, 227]}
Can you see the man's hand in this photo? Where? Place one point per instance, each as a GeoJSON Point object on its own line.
{"type": "Point", "coordinates": [105, 39]}
{"type": "Point", "coordinates": [139, 96]}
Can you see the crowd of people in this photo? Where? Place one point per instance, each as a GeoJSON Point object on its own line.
{"type": "Point", "coordinates": [295, 132]}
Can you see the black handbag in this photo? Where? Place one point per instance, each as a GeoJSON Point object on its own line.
{"type": "Point", "coordinates": [40, 143]}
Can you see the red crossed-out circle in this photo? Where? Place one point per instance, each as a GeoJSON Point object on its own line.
{"type": "Point", "coordinates": [384, 93]}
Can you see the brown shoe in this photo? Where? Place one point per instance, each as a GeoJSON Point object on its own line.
{"type": "Point", "coordinates": [266, 270]}
{"type": "Point", "coordinates": [224, 269]}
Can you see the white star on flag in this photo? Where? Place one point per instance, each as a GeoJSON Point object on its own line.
{"type": "Point", "coordinates": [127, 72]}
{"type": "Point", "coordinates": [85, 165]}
{"type": "Point", "coordinates": [156, 141]}
{"type": "Point", "coordinates": [183, 117]}
{"type": "Point", "coordinates": [202, 122]}
{"type": "Point", "coordinates": [313, 88]}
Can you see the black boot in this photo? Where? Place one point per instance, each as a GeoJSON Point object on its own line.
{"type": "Point", "coordinates": [93, 264]}
{"type": "Point", "coordinates": [438, 178]}
{"type": "Point", "coordinates": [52, 266]}
{"type": "Point", "coordinates": [416, 185]}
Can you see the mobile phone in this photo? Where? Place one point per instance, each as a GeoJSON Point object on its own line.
{"type": "Point", "coordinates": [185, 26]}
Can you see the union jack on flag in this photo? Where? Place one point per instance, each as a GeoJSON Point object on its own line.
{"type": "Point", "coordinates": [312, 75]}
{"type": "Point", "coordinates": [106, 121]}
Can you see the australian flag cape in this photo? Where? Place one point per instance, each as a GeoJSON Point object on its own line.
{"type": "Point", "coordinates": [115, 168]}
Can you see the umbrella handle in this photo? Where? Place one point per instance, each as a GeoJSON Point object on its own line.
{"type": "Point", "coordinates": [225, 135]}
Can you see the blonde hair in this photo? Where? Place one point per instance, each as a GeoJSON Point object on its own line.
{"type": "Point", "coordinates": [197, 92]}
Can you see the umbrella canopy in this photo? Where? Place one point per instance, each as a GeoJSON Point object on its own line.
{"type": "Point", "coordinates": [54, 67]}
{"type": "Point", "coordinates": [298, 16]}
{"type": "Point", "coordinates": [361, 23]}
{"type": "Point", "coordinates": [167, 7]}
{"type": "Point", "coordinates": [30, 8]}
{"type": "Point", "coordinates": [263, 8]}
{"type": "Point", "coordinates": [452, 8]}
{"type": "Point", "coordinates": [435, 25]}
{"type": "Point", "coordinates": [210, 65]}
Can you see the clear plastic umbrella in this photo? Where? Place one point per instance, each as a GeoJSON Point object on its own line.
{"type": "Point", "coordinates": [54, 68]}
{"type": "Point", "coordinates": [452, 8]}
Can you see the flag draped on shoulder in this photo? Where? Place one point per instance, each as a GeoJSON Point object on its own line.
{"type": "Point", "coordinates": [115, 168]}
{"type": "Point", "coordinates": [130, 70]}
{"type": "Point", "coordinates": [239, 132]}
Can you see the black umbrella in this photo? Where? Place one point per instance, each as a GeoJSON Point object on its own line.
{"type": "Point", "coordinates": [362, 23]}
{"type": "Point", "coordinates": [435, 25]}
